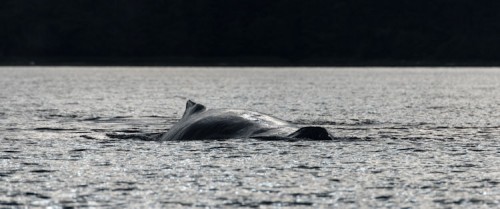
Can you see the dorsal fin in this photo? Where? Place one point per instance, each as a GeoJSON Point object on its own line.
{"type": "Point", "coordinates": [192, 108]}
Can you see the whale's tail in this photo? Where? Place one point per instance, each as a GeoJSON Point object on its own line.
{"type": "Point", "coordinates": [312, 133]}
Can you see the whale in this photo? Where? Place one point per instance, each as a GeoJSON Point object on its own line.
{"type": "Point", "coordinates": [200, 123]}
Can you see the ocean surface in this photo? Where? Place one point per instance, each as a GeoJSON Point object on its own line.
{"type": "Point", "coordinates": [404, 138]}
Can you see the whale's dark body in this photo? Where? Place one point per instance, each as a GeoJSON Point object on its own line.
{"type": "Point", "coordinates": [198, 123]}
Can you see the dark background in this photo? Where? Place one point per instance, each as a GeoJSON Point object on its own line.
{"type": "Point", "coordinates": [250, 32]}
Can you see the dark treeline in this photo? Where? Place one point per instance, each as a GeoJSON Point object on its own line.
{"type": "Point", "coordinates": [249, 32]}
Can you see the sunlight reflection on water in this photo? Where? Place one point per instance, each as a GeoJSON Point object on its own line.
{"type": "Point", "coordinates": [413, 137]}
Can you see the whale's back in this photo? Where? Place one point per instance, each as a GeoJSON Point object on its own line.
{"type": "Point", "coordinates": [199, 123]}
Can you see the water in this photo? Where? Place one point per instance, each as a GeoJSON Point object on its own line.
{"type": "Point", "coordinates": [412, 137]}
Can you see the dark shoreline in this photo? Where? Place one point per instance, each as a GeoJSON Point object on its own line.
{"type": "Point", "coordinates": [236, 62]}
{"type": "Point", "coordinates": [249, 33]}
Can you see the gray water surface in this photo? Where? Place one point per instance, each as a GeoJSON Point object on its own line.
{"type": "Point", "coordinates": [405, 137]}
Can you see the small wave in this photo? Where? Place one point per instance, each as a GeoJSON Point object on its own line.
{"type": "Point", "coordinates": [268, 203]}
{"type": "Point", "coordinates": [79, 150]}
{"type": "Point", "coordinates": [156, 116]}
{"type": "Point", "coordinates": [143, 137]}
{"type": "Point", "coordinates": [125, 189]}
{"type": "Point", "coordinates": [412, 149]}
{"type": "Point", "coordinates": [53, 129]}
{"type": "Point", "coordinates": [88, 137]}
{"type": "Point", "coordinates": [437, 107]}
{"type": "Point", "coordinates": [62, 116]}
{"type": "Point", "coordinates": [42, 171]}
{"type": "Point", "coordinates": [11, 151]}
{"type": "Point", "coordinates": [462, 200]}
{"type": "Point", "coordinates": [10, 203]}
{"type": "Point", "coordinates": [308, 167]}
{"type": "Point", "coordinates": [106, 119]}
{"type": "Point", "coordinates": [92, 118]}
{"type": "Point", "coordinates": [7, 173]}
{"type": "Point", "coordinates": [121, 117]}
{"type": "Point", "coordinates": [350, 122]}
{"type": "Point", "coordinates": [46, 110]}
{"type": "Point", "coordinates": [364, 122]}
{"type": "Point", "coordinates": [129, 131]}
{"type": "Point", "coordinates": [353, 138]}
{"type": "Point", "coordinates": [315, 122]}
{"type": "Point", "coordinates": [30, 164]}
{"type": "Point", "coordinates": [41, 196]}
{"type": "Point", "coordinates": [383, 197]}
